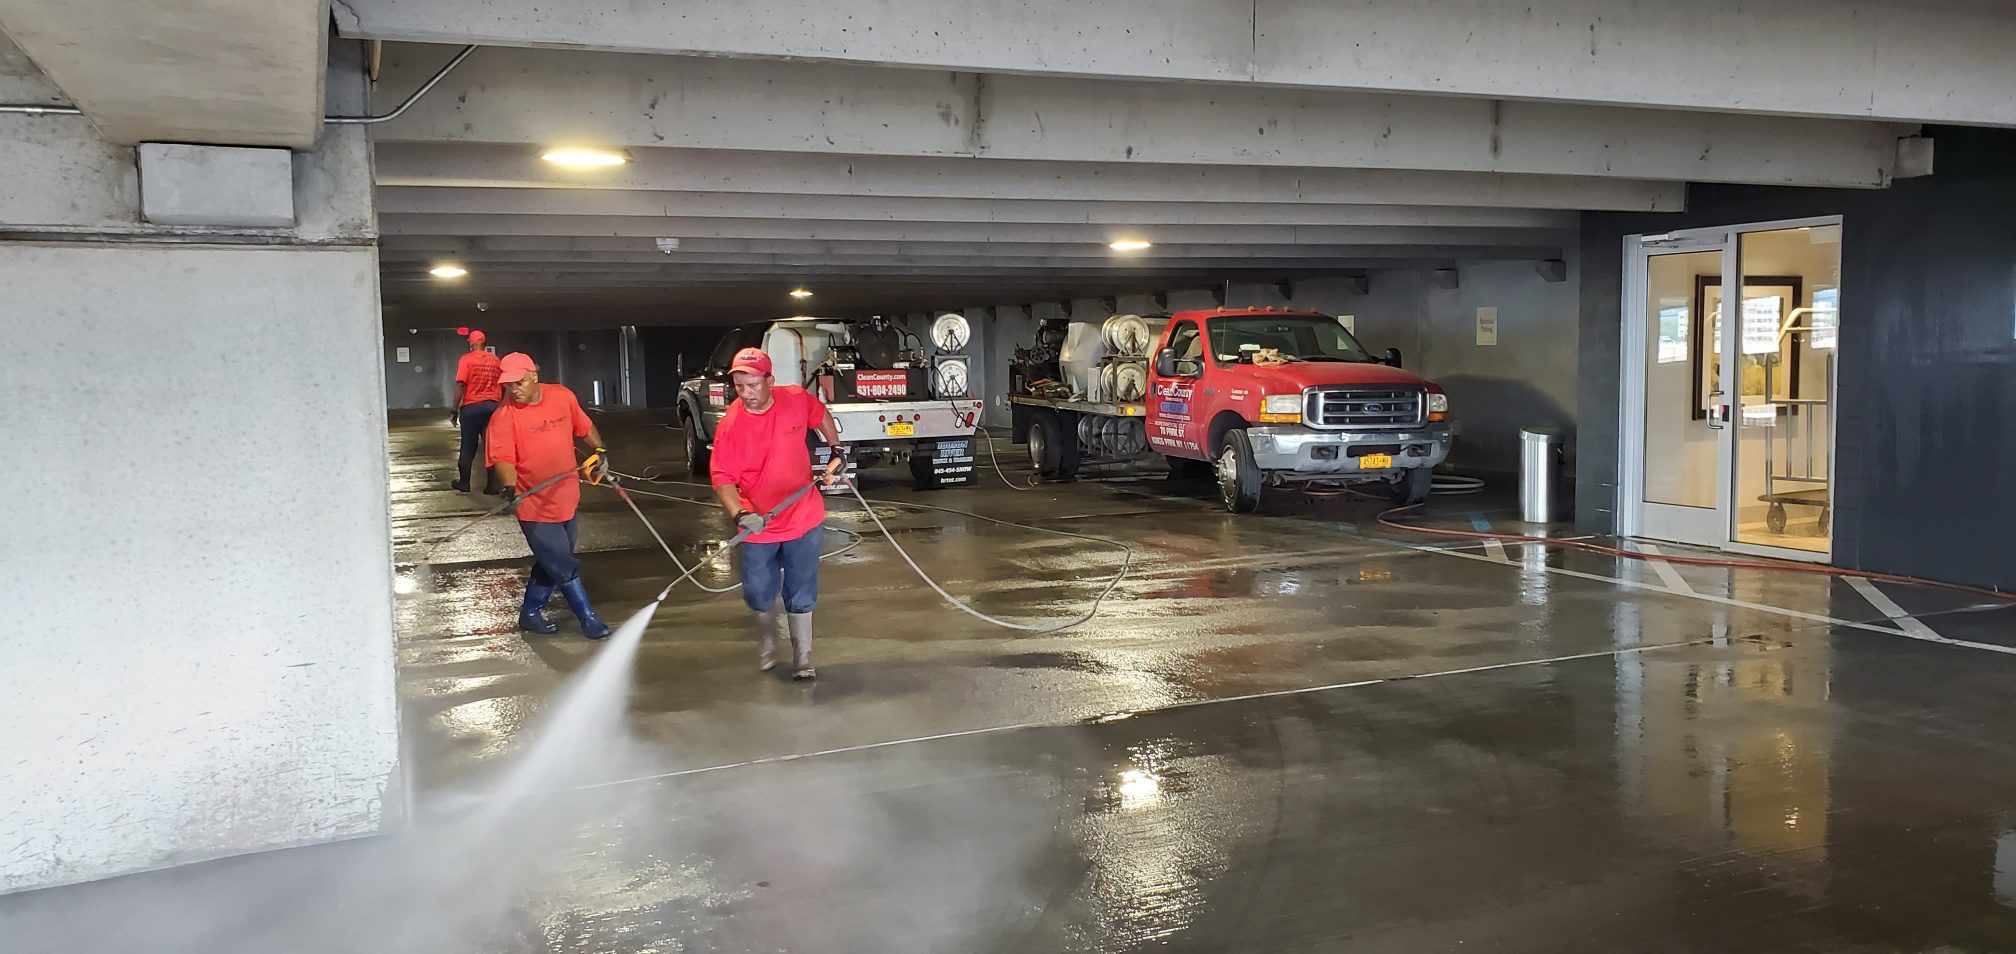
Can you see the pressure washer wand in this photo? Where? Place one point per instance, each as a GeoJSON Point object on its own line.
{"type": "Point", "coordinates": [740, 535]}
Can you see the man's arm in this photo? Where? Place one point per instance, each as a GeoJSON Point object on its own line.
{"type": "Point", "coordinates": [731, 499]}
{"type": "Point", "coordinates": [507, 474]}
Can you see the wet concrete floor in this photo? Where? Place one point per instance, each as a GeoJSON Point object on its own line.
{"type": "Point", "coordinates": [1290, 731]}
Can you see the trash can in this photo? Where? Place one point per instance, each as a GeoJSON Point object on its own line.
{"type": "Point", "coordinates": [1539, 474]}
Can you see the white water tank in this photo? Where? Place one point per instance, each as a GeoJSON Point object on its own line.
{"type": "Point", "coordinates": [795, 348]}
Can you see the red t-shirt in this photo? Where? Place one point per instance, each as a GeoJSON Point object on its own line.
{"type": "Point", "coordinates": [765, 457]}
{"type": "Point", "coordinates": [538, 439]}
{"type": "Point", "coordinates": [477, 370]}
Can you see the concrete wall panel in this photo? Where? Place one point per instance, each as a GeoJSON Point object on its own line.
{"type": "Point", "coordinates": [210, 563]}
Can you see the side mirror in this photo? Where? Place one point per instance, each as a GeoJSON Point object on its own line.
{"type": "Point", "coordinates": [1165, 362]}
{"type": "Point", "coordinates": [1392, 357]}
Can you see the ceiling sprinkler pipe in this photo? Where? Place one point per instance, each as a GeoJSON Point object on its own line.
{"type": "Point", "coordinates": [410, 100]}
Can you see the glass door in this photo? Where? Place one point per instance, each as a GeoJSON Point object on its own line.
{"type": "Point", "coordinates": [1676, 409]}
{"type": "Point", "coordinates": [1783, 382]}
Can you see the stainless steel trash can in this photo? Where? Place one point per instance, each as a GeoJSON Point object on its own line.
{"type": "Point", "coordinates": [1539, 474]}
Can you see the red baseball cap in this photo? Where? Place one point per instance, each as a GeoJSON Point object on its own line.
{"type": "Point", "coordinates": [751, 360]}
{"type": "Point", "coordinates": [478, 337]}
{"type": "Point", "coordinates": [514, 367]}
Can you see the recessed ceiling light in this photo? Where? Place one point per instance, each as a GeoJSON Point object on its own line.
{"type": "Point", "coordinates": [576, 157]}
{"type": "Point", "coordinates": [1129, 245]}
{"type": "Point", "coordinates": [801, 293]}
{"type": "Point", "coordinates": [447, 271]}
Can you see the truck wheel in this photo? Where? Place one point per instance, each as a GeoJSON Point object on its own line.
{"type": "Point", "coordinates": [697, 455]}
{"type": "Point", "coordinates": [1046, 443]}
{"type": "Point", "coordinates": [1238, 475]}
{"type": "Point", "coordinates": [1412, 488]}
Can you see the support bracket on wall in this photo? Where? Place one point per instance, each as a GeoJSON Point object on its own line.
{"type": "Point", "coordinates": [1160, 300]}
{"type": "Point", "coordinates": [1358, 284]}
{"type": "Point", "coordinates": [1552, 270]}
{"type": "Point", "coordinates": [1218, 295]}
{"type": "Point", "coordinates": [1444, 278]}
{"type": "Point", "coordinates": [1286, 289]}
{"type": "Point", "coordinates": [1112, 305]}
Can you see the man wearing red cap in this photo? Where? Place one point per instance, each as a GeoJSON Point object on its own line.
{"type": "Point", "coordinates": [761, 458]}
{"type": "Point", "coordinates": [476, 397]}
{"type": "Point", "coordinates": [531, 440]}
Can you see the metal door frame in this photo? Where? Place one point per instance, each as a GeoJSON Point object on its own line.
{"type": "Point", "coordinates": [1630, 502]}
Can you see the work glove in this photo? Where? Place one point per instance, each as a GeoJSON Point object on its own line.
{"type": "Point", "coordinates": [750, 522]}
{"type": "Point", "coordinates": [596, 468]}
{"type": "Point", "coordinates": [455, 417]}
{"type": "Point", "coordinates": [510, 494]}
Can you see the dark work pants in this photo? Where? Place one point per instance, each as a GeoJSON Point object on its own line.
{"type": "Point", "coordinates": [475, 420]}
{"type": "Point", "coordinates": [553, 559]}
{"type": "Point", "coordinates": [789, 566]}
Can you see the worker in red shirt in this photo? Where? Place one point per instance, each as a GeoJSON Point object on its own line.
{"type": "Point", "coordinates": [476, 395]}
{"type": "Point", "coordinates": [761, 457]}
{"type": "Point", "coordinates": [531, 439]}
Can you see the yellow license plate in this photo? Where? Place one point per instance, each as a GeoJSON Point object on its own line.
{"type": "Point", "coordinates": [901, 429]}
{"type": "Point", "coordinates": [1375, 461]}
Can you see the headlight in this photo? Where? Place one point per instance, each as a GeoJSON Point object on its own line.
{"type": "Point", "coordinates": [1438, 403]}
{"type": "Point", "coordinates": [1281, 409]}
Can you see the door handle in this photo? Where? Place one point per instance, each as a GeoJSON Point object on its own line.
{"type": "Point", "coordinates": [1718, 414]}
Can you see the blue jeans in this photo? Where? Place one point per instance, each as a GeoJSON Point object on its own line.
{"type": "Point", "coordinates": [475, 420]}
{"type": "Point", "coordinates": [791, 566]}
{"type": "Point", "coordinates": [553, 559]}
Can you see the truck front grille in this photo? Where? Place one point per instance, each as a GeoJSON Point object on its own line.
{"type": "Point", "coordinates": [1364, 407]}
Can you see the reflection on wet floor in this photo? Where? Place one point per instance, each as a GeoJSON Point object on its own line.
{"type": "Point", "coordinates": [1526, 755]}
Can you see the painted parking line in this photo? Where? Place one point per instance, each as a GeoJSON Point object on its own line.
{"type": "Point", "coordinates": [1888, 607]}
{"type": "Point", "coordinates": [1667, 574]}
{"type": "Point", "coordinates": [1493, 547]}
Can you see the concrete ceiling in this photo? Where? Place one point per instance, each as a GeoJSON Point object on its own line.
{"type": "Point", "coordinates": [202, 71]}
{"type": "Point", "coordinates": [905, 156]}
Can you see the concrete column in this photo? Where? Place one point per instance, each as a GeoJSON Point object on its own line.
{"type": "Point", "coordinates": [200, 652]}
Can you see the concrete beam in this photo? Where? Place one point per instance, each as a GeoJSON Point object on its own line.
{"type": "Point", "coordinates": [610, 99]}
{"type": "Point", "coordinates": [190, 71]}
{"type": "Point", "coordinates": [776, 173]}
{"type": "Point", "coordinates": [922, 264]}
{"type": "Point", "coordinates": [982, 232]}
{"type": "Point", "coordinates": [404, 199]}
{"type": "Point", "coordinates": [844, 249]}
{"type": "Point", "coordinates": [1927, 61]}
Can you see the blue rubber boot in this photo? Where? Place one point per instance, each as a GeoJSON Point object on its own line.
{"type": "Point", "coordinates": [577, 600]}
{"type": "Point", "coordinates": [532, 616]}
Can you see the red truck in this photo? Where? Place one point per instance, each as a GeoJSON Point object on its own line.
{"type": "Point", "coordinates": [1257, 397]}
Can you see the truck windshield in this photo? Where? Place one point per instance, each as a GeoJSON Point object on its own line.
{"type": "Point", "coordinates": [1295, 337]}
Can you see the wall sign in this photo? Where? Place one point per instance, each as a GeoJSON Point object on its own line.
{"type": "Point", "coordinates": [1487, 326]}
{"type": "Point", "coordinates": [405, 355]}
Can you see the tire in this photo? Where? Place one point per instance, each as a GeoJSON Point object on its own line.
{"type": "Point", "coordinates": [1238, 475]}
{"type": "Point", "coordinates": [698, 455]}
{"type": "Point", "coordinates": [1413, 487]}
{"type": "Point", "coordinates": [1046, 443]}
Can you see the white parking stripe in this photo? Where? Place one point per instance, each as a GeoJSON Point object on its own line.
{"type": "Point", "coordinates": [1493, 547]}
{"type": "Point", "coordinates": [1888, 607]}
{"type": "Point", "coordinates": [1674, 581]}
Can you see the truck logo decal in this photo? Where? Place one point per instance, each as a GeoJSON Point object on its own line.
{"type": "Point", "coordinates": [717, 395]}
{"type": "Point", "coordinates": [882, 384]}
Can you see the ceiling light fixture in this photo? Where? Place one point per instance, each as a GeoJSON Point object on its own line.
{"type": "Point", "coordinates": [576, 157]}
{"type": "Point", "coordinates": [1129, 245]}
{"type": "Point", "coordinates": [447, 271]}
{"type": "Point", "coordinates": [801, 293]}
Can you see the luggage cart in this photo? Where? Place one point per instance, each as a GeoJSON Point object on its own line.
{"type": "Point", "coordinates": [1797, 484]}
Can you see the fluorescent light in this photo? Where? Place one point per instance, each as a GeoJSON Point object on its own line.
{"type": "Point", "coordinates": [447, 271]}
{"type": "Point", "coordinates": [1129, 245]}
{"type": "Point", "coordinates": [801, 293]}
{"type": "Point", "coordinates": [574, 157]}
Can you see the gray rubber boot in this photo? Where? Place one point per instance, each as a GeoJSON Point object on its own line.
{"type": "Point", "coordinates": [801, 645]}
{"type": "Point", "coordinates": [766, 639]}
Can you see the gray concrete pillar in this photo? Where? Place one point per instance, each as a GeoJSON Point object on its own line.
{"type": "Point", "coordinates": [200, 655]}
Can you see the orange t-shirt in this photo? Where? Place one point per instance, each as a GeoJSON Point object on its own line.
{"type": "Point", "coordinates": [766, 458]}
{"type": "Point", "coordinates": [477, 370]}
{"type": "Point", "coordinates": [538, 439]}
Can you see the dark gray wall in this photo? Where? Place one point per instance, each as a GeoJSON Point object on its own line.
{"type": "Point", "coordinates": [573, 358]}
{"type": "Point", "coordinates": [1927, 387]}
